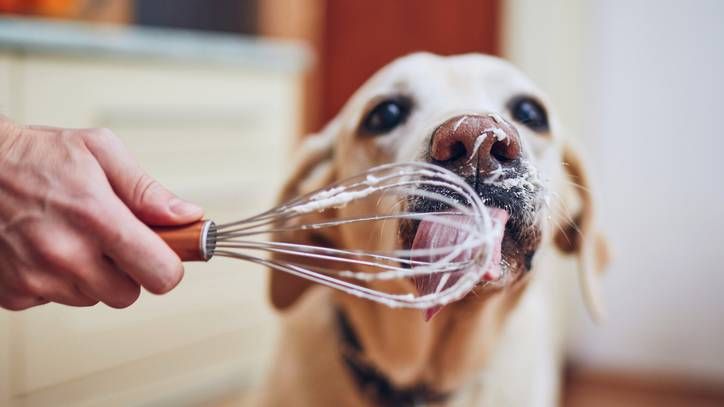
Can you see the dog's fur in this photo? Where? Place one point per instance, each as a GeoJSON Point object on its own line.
{"type": "Point", "coordinates": [494, 347]}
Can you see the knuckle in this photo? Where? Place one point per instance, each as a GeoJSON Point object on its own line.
{"type": "Point", "coordinates": [71, 136]}
{"type": "Point", "coordinates": [90, 210]}
{"type": "Point", "coordinates": [78, 274]}
{"type": "Point", "coordinates": [143, 188]}
{"type": "Point", "coordinates": [99, 137]}
{"type": "Point", "coordinates": [53, 254]}
{"type": "Point", "coordinates": [58, 256]}
{"type": "Point", "coordinates": [25, 284]}
{"type": "Point", "coordinates": [104, 135]}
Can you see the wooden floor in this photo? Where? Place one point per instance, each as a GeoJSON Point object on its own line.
{"type": "Point", "coordinates": [611, 389]}
{"type": "Point", "coordinates": [599, 389]}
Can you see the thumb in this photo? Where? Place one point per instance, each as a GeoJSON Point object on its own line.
{"type": "Point", "coordinates": [150, 201]}
{"type": "Point", "coordinates": [153, 203]}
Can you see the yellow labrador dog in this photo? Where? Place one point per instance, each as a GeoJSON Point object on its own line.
{"type": "Point", "coordinates": [495, 347]}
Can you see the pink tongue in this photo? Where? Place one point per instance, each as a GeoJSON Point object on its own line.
{"type": "Point", "coordinates": [433, 234]}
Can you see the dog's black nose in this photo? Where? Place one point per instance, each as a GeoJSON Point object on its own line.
{"type": "Point", "coordinates": [475, 143]}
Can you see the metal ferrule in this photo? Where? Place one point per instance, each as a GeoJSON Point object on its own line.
{"type": "Point", "coordinates": [207, 240]}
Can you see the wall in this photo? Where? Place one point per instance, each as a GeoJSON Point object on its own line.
{"type": "Point", "coordinates": [643, 89]}
{"type": "Point", "coordinates": [655, 82]}
{"type": "Point", "coordinates": [545, 39]}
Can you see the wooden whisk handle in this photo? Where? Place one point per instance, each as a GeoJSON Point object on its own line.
{"type": "Point", "coordinates": [192, 242]}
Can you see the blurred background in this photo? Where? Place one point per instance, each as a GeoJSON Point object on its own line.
{"type": "Point", "coordinates": [212, 96]}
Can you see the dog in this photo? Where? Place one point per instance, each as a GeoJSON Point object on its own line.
{"type": "Point", "coordinates": [497, 346]}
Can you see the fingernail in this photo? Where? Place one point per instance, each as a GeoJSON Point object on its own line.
{"type": "Point", "coordinates": [183, 208]}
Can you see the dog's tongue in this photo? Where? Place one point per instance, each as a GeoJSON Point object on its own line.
{"type": "Point", "coordinates": [434, 234]}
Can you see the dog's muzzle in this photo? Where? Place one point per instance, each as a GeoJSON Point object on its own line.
{"type": "Point", "coordinates": [487, 152]}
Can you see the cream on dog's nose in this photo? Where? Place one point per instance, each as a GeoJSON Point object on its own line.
{"type": "Point", "coordinates": [482, 142]}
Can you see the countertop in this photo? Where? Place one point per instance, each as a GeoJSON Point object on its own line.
{"type": "Point", "coordinates": [25, 35]}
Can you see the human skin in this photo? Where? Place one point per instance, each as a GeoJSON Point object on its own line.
{"type": "Point", "coordinates": [74, 210]}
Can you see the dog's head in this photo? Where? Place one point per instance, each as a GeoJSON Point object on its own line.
{"type": "Point", "coordinates": [477, 116]}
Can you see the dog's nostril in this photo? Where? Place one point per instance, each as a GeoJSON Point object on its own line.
{"type": "Point", "coordinates": [457, 150]}
{"type": "Point", "coordinates": [503, 152]}
{"type": "Point", "coordinates": [444, 152]}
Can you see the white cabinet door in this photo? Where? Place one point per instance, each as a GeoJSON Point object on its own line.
{"type": "Point", "coordinates": [216, 136]}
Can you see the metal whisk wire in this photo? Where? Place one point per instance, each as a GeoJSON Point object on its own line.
{"type": "Point", "coordinates": [409, 181]}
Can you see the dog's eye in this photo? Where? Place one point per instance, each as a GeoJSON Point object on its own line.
{"type": "Point", "coordinates": [386, 115]}
{"type": "Point", "coordinates": [529, 111]}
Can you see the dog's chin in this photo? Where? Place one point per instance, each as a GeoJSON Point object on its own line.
{"type": "Point", "coordinates": [510, 257]}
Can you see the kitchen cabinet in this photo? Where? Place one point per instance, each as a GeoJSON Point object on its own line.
{"type": "Point", "coordinates": [216, 134]}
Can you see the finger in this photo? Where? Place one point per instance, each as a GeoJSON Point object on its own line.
{"type": "Point", "coordinates": [19, 302]}
{"type": "Point", "coordinates": [38, 287]}
{"type": "Point", "coordinates": [146, 197]}
{"type": "Point", "coordinates": [102, 280]}
{"type": "Point", "coordinates": [53, 288]}
{"type": "Point", "coordinates": [137, 250]}
{"type": "Point", "coordinates": [72, 268]}
{"type": "Point", "coordinates": [56, 267]}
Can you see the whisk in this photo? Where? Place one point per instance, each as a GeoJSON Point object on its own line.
{"type": "Point", "coordinates": [382, 197]}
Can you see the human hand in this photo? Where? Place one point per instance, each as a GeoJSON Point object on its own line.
{"type": "Point", "coordinates": [74, 205]}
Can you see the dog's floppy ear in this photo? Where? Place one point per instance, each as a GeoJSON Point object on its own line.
{"type": "Point", "coordinates": [314, 169]}
{"type": "Point", "coordinates": [579, 235]}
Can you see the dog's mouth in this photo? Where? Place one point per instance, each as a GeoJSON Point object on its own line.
{"type": "Point", "coordinates": [431, 234]}
{"type": "Point", "coordinates": [512, 210]}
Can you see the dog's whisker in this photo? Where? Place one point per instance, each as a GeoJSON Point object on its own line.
{"type": "Point", "coordinates": [576, 185]}
{"type": "Point", "coordinates": [564, 212]}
